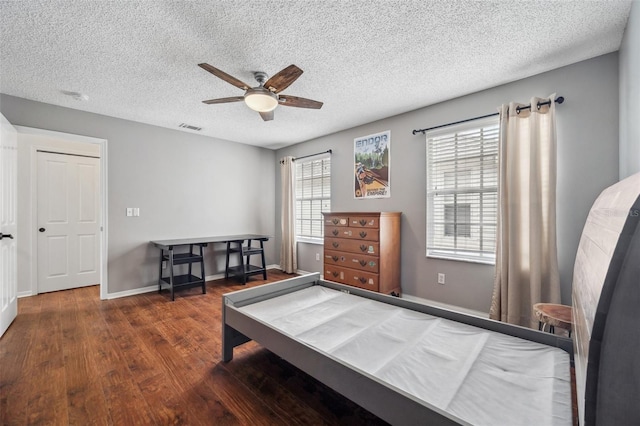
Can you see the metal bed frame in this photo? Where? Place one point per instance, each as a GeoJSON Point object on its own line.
{"type": "Point", "coordinates": [385, 401]}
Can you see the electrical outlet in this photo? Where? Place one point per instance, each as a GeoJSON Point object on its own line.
{"type": "Point", "coordinates": [129, 211]}
{"type": "Point", "coordinates": [440, 278]}
{"type": "Point", "coordinates": [136, 211]}
{"type": "Point", "coordinates": [317, 256]}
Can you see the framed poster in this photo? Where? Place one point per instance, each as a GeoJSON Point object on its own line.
{"type": "Point", "coordinates": [371, 166]}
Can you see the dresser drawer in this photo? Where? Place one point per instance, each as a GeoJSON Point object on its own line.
{"type": "Point", "coordinates": [352, 277]}
{"type": "Point", "coordinates": [364, 222]}
{"type": "Point", "coordinates": [351, 260]}
{"type": "Point", "coordinates": [352, 233]}
{"type": "Point", "coordinates": [364, 247]}
{"type": "Point", "coordinates": [336, 220]}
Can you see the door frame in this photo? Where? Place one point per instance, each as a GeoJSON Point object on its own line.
{"type": "Point", "coordinates": [9, 290]}
{"type": "Point", "coordinates": [33, 161]}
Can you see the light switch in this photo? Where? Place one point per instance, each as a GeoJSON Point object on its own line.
{"type": "Point", "coordinates": [129, 211]}
{"type": "Point", "coordinates": [136, 211]}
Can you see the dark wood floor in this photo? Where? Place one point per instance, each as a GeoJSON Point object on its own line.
{"type": "Point", "coordinates": [70, 358]}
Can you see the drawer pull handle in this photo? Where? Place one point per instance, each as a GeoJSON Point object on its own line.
{"type": "Point", "coordinates": [335, 245]}
{"type": "Point", "coordinates": [362, 262]}
{"type": "Point", "coordinates": [335, 258]}
{"type": "Point", "coordinates": [363, 222]}
{"type": "Point", "coordinates": [363, 248]}
{"type": "Point", "coordinates": [363, 234]}
{"type": "Point", "coordinates": [335, 232]}
{"type": "Point", "coordinates": [335, 274]}
{"type": "Point", "coordinates": [335, 221]}
{"type": "Point", "coordinates": [362, 280]}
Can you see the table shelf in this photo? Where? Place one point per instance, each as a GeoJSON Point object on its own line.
{"type": "Point", "coordinates": [185, 280]}
{"type": "Point", "coordinates": [183, 258]}
{"type": "Point", "coordinates": [246, 270]}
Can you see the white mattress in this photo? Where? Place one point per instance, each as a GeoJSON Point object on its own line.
{"type": "Point", "coordinates": [480, 376]}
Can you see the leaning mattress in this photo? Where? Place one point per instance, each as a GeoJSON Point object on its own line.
{"type": "Point", "coordinates": [480, 376]}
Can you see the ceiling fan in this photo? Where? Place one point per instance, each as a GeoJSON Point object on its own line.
{"type": "Point", "coordinates": [265, 97]}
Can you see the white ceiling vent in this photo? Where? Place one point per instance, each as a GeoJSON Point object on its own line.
{"type": "Point", "coordinates": [190, 127]}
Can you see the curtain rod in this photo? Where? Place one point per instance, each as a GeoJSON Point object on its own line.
{"type": "Point", "coordinates": [329, 151]}
{"type": "Point", "coordinates": [559, 100]}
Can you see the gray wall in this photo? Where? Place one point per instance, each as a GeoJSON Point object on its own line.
{"type": "Point", "coordinates": [630, 95]}
{"type": "Point", "coordinates": [587, 163]}
{"type": "Point", "coordinates": [184, 184]}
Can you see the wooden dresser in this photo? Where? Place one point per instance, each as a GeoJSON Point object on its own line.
{"type": "Point", "coordinates": [362, 249]}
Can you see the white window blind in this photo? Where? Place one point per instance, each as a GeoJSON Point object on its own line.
{"type": "Point", "coordinates": [462, 191]}
{"type": "Point", "coordinates": [313, 196]}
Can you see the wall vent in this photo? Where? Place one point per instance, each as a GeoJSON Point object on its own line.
{"type": "Point", "coordinates": [190, 127]}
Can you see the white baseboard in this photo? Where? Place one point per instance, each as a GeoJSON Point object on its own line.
{"type": "Point", "coordinates": [27, 293]}
{"type": "Point", "coordinates": [445, 306]}
{"type": "Point", "coordinates": [154, 287]}
{"type": "Point", "coordinates": [132, 292]}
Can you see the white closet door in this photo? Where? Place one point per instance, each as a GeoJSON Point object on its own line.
{"type": "Point", "coordinates": [68, 221]}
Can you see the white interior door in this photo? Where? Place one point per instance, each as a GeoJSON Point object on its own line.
{"type": "Point", "coordinates": [68, 221]}
{"type": "Point", "coordinates": [8, 224]}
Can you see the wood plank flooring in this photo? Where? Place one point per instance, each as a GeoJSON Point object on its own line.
{"type": "Point", "coordinates": [71, 359]}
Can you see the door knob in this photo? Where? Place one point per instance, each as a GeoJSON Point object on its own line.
{"type": "Point", "coordinates": [5, 236]}
{"type": "Point", "coordinates": [41, 229]}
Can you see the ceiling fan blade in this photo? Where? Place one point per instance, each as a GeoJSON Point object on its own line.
{"type": "Point", "coordinates": [224, 100]}
{"type": "Point", "coordinates": [224, 76]}
{"type": "Point", "coordinates": [294, 101]}
{"type": "Point", "coordinates": [283, 79]}
{"type": "Point", "coordinates": [267, 116]}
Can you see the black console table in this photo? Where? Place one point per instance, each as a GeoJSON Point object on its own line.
{"type": "Point", "coordinates": [235, 244]}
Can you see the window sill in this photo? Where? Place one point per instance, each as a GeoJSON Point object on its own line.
{"type": "Point", "coordinates": [446, 256]}
{"type": "Point", "coordinates": [318, 241]}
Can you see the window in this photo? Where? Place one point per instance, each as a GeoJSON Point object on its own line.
{"type": "Point", "coordinates": [456, 220]}
{"type": "Point", "coordinates": [462, 191]}
{"type": "Point", "coordinates": [313, 196]}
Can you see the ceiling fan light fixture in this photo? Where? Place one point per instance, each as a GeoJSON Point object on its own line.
{"type": "Point", "coordinates": [261, 100]}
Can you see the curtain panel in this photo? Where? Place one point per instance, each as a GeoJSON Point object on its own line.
{"type": "Point", "coordinates": [526, 252]}
{"type": "Point", "coordinates": [288, 249]}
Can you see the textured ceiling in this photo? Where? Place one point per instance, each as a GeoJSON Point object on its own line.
{"type": "Point", "coordinates": [365, 60]}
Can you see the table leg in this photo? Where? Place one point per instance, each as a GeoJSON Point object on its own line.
{"type": "Point", "coordinates": [171, 272]}
{"type": "Point", "coordinates": [226, 269]}
{"type": "Point", "coordinates": [204, 284]}
{"type": "Point", "coordinates": [190, 263]}
{"type": "Point", "coordinates": [249, 247]}
{"type": "Point", "coordinates": [242, 264]}
{"type": "Point", "coordinates": [160, 271]}
{"type": "Point", "coordinates": [264, 266]}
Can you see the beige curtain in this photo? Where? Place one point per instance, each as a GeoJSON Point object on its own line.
{"type": "Point", "coordinates": [526, 253]}
{"type": "Point", "coordinates": [288, 252]}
